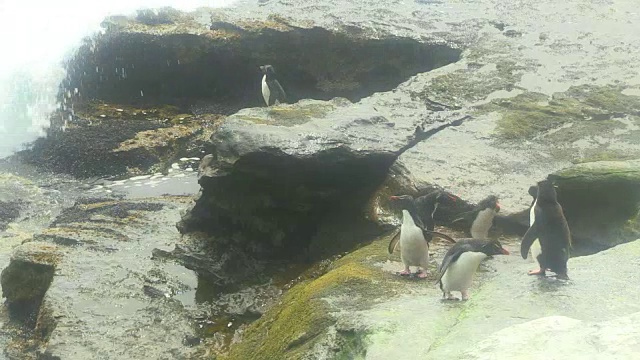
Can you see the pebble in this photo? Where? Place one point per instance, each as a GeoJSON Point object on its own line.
{"type": "Point", "coordinates": [184, 159]}
{"type": "Point", "coordinates": [180, 175]}
{"type": "Point", "coordinates": [156, 177]}
{"type": "Point", "coordinates": [103, 115]}
{"type": "Point", "coordinates": [188, 169]}
{"type": "Point", "coordinates": [195, 158]}
{"type": "Point", "coordinates": [175, 166]}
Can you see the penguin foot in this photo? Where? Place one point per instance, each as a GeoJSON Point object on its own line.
{"type": "Point", "coordinates": [465, 295]}
{"type": "Point", "coordinates": [422, 275]}
{"type": "Point", "coordinates": [562, 276]}
{"type": "Point", "coordinates": [404, 273]}
{"type": "Point", "coordinates": [449, 296]}
{"type": "Point", "coordinates": [537, 272]}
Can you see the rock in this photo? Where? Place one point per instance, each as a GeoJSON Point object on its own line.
{"type": "Point", "coordinates": [9, 211]}
{"type": "Point", "coordinates": [360, 307]}
{"type": "Point", "coordinates": [29, 274]}
{"type": "Point", "coordinates": [297, 178]}
{"type": "Point", "coordinates": [98, 301]}
{"type": "Point", "coordinates": [566, 337]}
{"type": "Point", "coordinates": [601, 200]}
{"type": "Point", "coordinates": [132, 140]}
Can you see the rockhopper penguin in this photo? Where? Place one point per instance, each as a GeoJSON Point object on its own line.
{"type": "Point", "coordinates": [272, 91]}
{"type": "Point", "coordinates": [461, 262]}
{"type": "Point", "coordinates": [481, 217]}
{"type": "Point", "coordinates": [550, 228]}
{"type": "Point", "coordinates": [422, 208]}
{"type": "Point", "coordinates": [413, 237]}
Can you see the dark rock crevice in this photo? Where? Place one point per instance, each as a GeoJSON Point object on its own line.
{"type": "Point", "coordinates": [283, 206]}
{"type": "Point", "coordinates": [219, 69]}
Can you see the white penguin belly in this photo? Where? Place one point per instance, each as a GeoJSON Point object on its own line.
{"type": "Point", "coordinates": [414, 249]}
{"type": "Point", "coordinates": [535, 246]}
{"type": "Point", "coordinates": [482, 223]}
{"type": "Point", "coordinates": [266, 93]}
{"type": "Point", "coordinates": [459, 274]}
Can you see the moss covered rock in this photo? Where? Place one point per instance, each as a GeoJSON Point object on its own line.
{"type": "Point", "coordinates": [601, 200]}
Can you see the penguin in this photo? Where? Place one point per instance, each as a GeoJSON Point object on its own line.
{"type": "Point", "coordinates": [481, 217]}
{"type": "Point", "coordinates": [461, 262]}
{"type": "Point", "coordinates": [422, 208]}
{"type": "Point", "coordinates": [413, 237]}
{"type": "Point", "coordinates": [550, 228]}
{"type": "Point", "coordinates": [272, 91]}
{"type": "Point", "coordinates": [535, 246]}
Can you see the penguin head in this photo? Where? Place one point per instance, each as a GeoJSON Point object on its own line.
{"type": "Point", "coordinates": [493, 247]}
{"type": "Point", "coordinates": [547, 191]}
{"type": "Point", "coordinates": [445, 198]}
{"type": "Point", "coordinates": [490, 202]}
{"type": "Point", "coordinates": [267, 70]}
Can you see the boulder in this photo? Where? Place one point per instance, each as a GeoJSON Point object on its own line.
{"type": "Point", "coordinates": [29, 274]}
{"type": "Point", "coordinates": [601, 200]}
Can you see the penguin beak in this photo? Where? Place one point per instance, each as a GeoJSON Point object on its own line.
{"type": "Point", "coordinates": [393, 198]}
{"type": "Point", "coordinates": [505, 251]}
{"type": "Point", "coordinates": [497, 207]}
{"type": "Point", "coordinates": [453, 198]}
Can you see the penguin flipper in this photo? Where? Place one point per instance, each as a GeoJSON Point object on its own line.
{"type": "Point", "coordinates": [452, 255]}
{"type": "Point", "coordinates": [279, 93]}
{"type": "Point", "coordinates": [394, 242]}
{"type": "Point", "coordinates": [529, 237]}
{"type": "Point", "coordinates": [438, 234]}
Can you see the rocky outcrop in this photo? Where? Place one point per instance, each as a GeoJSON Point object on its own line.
{"type": "Point", "coordinates": [601, 200]}
{"type": "Point", "coordinates": [93, 287]}
{"type": "Point", "coordinates": [111, 140]}
{"type": "Point", "coordinates": [298, 178]}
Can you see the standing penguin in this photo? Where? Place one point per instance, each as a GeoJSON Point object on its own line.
{"type": "Point", "coordinates": [481, 217]}
{"type": "Point", "coordinates": [422, 209]}
{"type": "Point", "coordinates": [461, 262]}
{"type": "Point", "coordinates": [272, 91]}
{"type": "Point", "coordinates": [535, 246]}
{"type": "Point", "coordinates": [551, 229]}
{"type": "Point", "coordinates": [413, 237]}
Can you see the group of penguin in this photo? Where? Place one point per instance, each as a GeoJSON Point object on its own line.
{"type": "Point", "coordinates": [548, 237]}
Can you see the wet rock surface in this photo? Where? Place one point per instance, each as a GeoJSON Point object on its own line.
{"type": "Point", "coordinates": [361, 308]}
{"type": "Point", "coordinates": [516, 91]}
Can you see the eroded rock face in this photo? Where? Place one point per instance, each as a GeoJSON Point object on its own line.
{"type": "Point", "coordinates": [285, 178]}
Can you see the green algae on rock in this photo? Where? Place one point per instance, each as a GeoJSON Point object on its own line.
{"type": "Point", "coordinates": [303, 323]}
{"type": "Point", "coordinates": [601, 200]}
{"type": "Point", "coordinates": [590, 109]}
